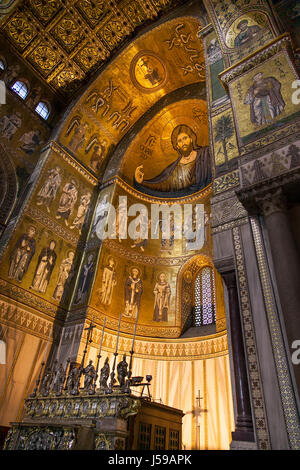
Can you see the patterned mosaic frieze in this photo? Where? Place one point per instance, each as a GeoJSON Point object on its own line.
{"type": "Point", "coordinates": [270, 165]}
{"type": "Point", "coordinates": [227, 210]}
{"type": "Point", "coordinates": [83, 407]}
{"type": "Point", "coordinates": [226, 182]}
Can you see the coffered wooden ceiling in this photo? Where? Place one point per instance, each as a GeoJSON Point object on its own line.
{"type": "Point", "coordinates": [64, 41]}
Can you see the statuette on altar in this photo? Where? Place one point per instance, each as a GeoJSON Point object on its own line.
{"type": "Point", "coordinates": [104, 375]}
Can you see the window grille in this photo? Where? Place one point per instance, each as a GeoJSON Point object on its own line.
{"type": "Point", "coordinates": [205, 312]}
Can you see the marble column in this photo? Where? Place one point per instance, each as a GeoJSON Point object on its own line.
{"type": "Point", "coordinates": [285, 257]}
{"type": "Point", "coordinates": [243, 421]}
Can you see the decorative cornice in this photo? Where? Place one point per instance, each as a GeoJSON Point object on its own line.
{"type": "Point", "coordinates": [255, 59]}
{"type": "Point", "coordinates": [167, 349]}
{"type": "Point", "coordinates": [226, 182]}
{"type": "Point", "coordinates": [43, 218]}
{"type": "Point", "coordinates": [271, 138]}
{"type": "Point", "coordinates": [21, 318]}
{"type": "Point", "coordinates": [127, 327]}
{"type": "Point", "coordinates": [25, 297]}
{"type": "Point", "coordinates": [285, 137]}
{"type": "Point", "coordinates": [156, 200]}
{"type": "Point", "coordinates": [71, 161]}
{"type": "Point", "coordinates": [142, 258]}
{"type": "Point", "coordinates": [220, 109]}
{"type": "Point", "coordinates": [230, 225]}
{"type": "Point", "coordinates": [250, 196]}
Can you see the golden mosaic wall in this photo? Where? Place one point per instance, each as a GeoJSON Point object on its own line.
{"type": "Point", "coordinates": [152, 150]}
{"type": "Point", "coordinates": [161, 61]}
{"type": "Point", "coordinates": [152, 258]}
{"type": "Point", "coordinates": [242, 26]}
{"type": "Point", "coordinates": [39, 264]}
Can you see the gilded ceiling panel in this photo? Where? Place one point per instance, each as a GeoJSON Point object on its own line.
{"type": "Point", "coordinates": [81, 34]}
{"type": "Point", "coordinates": [20, 31]}
{"type": "Point", "coordinates": [67, 33]}
{"type": "Point", "coordinates": [44, 11]}
{"type": "Point", "coordinates": [93, 12]}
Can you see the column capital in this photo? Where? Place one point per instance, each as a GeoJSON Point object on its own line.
{"type": "Point", "coordinates": [271, 202]}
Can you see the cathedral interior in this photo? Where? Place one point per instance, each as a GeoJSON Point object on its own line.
{"type": "Point", "coordinates": [112, 114]}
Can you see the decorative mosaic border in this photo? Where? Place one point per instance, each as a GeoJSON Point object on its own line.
{"type": "Point", "coordinates": [168, 349]}
{"type": "Point", "coordinates": [145, 259]}
{"type": "Point", "coordinates": [230, 225]}
{"type": "Point", "coordinates": [72, 162]}
{"type": "Point", "coordinates": [13, 316]}
{"type": "Point", "coordinates": [259, 412]}
{"type": "Point", "coordinates": [277, 45]}
{"type": "Point", "coordinates": [22, 296]}
{"type": "Point", "coordinates": [271, 164]}
{"type": "Point", "coordinates": [225, 182]}
{"type": "Point", "coordinates": [286, 391]}
{"type": "Point", "coordinates": [52, 225]}
{"type": "Point", "coordinates": [271, 138]}
{"type": "Point", "coordinates": [156, 200]}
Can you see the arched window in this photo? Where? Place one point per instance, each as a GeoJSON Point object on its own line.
{"type": "Point", "coordinates": [43, 110]}
{"type": "Point", "coordinates": [205, 297]}
{"type": "Point", "coordinates": [20, 88]}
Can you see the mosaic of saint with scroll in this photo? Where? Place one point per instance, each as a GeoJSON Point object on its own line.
{"type": "Point", "coordinates": [191, 171]}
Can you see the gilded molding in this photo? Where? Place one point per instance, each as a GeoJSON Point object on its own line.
{"type": "Point", "coordinates": [17, 317]}
{"type": "Point", "coordinates": [155, 200]}
{"type": "Point", "coordinates": [166, 349]}
{"type": "Point", "coordinates": [72, 162]}
{"type": "Point", "coordinates": [258, 57]}
{"type": "Point", "coordinates": [43, 218]}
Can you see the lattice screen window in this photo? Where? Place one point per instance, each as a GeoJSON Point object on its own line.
{"type": "Point", "coordinates": [21, 89]}
{"type": "Point", "coordinates": [160, 438]}
{"type": "Point", "coordinates": [144, 436]}
{"type": "Point", "coordinates": [205, 312]}
{"type": "Point", "coordinates": [173, 440]}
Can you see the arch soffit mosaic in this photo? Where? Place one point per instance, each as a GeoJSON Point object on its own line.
{"type": "Point", "coordinates": [111, 105]}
